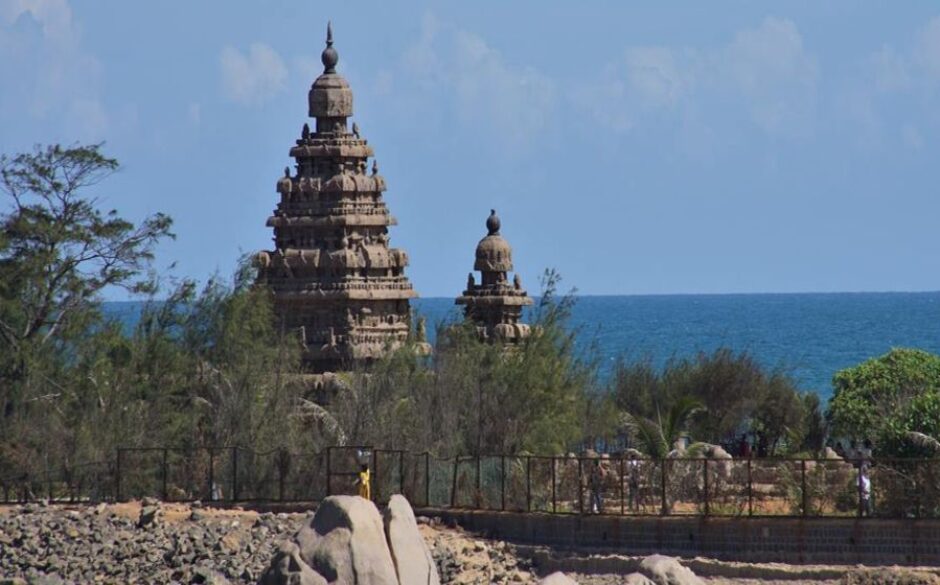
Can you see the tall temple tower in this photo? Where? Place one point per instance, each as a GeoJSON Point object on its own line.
{"type": "Point", "coordinates": [335, 278]}
{"type": "Point", "coordinates": [495, 305]}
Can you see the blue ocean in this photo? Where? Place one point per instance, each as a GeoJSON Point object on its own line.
{"type": "Point", "coordinates": [810, 335]}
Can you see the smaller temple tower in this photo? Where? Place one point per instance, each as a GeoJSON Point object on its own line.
{"type": "Point", "coordinates": [495, 305]}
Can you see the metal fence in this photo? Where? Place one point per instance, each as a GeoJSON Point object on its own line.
{"type": "Point", "coordinates": [899, 488]}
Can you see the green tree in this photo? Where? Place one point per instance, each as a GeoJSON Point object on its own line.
{"type": "Point", "coordinates": [735, 392]}
{"type": "Point", "coordinates": [887, 397]}
{"type": "Point", "coordinates": [58, 251]}
{"type": "Point", "coordinates": [657, 436]}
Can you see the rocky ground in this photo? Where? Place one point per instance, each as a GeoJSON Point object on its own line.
{"type": "Point", "coordinates": [148, 542]}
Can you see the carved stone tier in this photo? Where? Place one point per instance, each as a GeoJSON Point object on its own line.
{"type": "Point", "coordinates": [335, 279]}
{"type": "Point", "coordinates": [495, 305]}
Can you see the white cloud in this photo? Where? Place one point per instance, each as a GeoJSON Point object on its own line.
{"type": "Point", "coordinates": [194, 112]}
{"type": "Point", "coordinates": [763, 71]}
{"type": "Point", "coordinates": [653, 74]}
{"type": "Point", "coordinates": [512, 105]}
{"type": "Point", "coordinates": [252, 78]}
{"type": "Point", "coordinates": [927, 51]}
{"type": "Point", "coordinates": [57, 80]}
{"type": "Point", "coordinates": [515, 103]}
{"type": "Point", "coordinates": [890, 69]}
{"type": "Point", "coordinates": [776, 76]}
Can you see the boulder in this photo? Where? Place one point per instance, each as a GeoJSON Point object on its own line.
{"type": "Point", "coordinates": [287, 568]}
{"type": "Point", "coordinates": [664, 570]}
{"type": "Point", "coordinates": [557, 578]}
{"type": "Point", "coordinates": [149, 515]}
{"type": "Point", "coordinates": [413, 562]}
{"type": "Point", "coordinates": [637, 579]}
{"type": "Point", "coordinates": [345, 543]}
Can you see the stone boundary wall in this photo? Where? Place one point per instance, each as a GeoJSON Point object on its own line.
{"type": "Point", "coordinates": [869, 541]}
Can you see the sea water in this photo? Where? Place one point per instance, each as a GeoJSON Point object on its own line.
{"type": "Point", "coordinates": [811, 336]}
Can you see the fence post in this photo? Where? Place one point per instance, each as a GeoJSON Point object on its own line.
{"type": "Point", "coordinates": [621, 486]}
{"type": "Point", "coordinates": [163, 476]}
{"type": "Point", "coordinates": [502, 482]}
{"type": "Point", "coordinates": [859, 494]}
{"type": "Point", "coordinates": [580, 488]}
{"type": "Point", "coordinates": [453, 489]}
{"type": "Point", "coordinates": [48, 479]}
{"type": "Point", "coordinates": [705, 483]}
{"type": "Point", "coordinates": [329, 471]}
{"type": "Point", "coordinates": [235, 473]}
{"type": "Point", "coordinates": [401, 472]}
{"type": "Point", "coordinates": [427, 479]}
{"type": "Point", "coordinates": [554, 505]}
{"type": "Point", "coordinates": [750, 490]}
{"type": "Point", "coordinates": [528, 484]}
{"type": "Point", "coordinates": [117, 480]}
{"type": "Point", "coordinates": [377, 481]}
{"type": "Point", "coordinates": [803, 480]}
{"type": "Point", "coordinates": [211, 497]}
{"type": "Point", "coordinates": [664, 507]}
{"type": "Point", "coordinates": [282, 463]}
{"type": "Point", "coordinates": [479, 482]}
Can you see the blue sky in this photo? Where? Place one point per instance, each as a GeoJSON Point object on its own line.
{"type": "Point", "coordinates": [681, 147]}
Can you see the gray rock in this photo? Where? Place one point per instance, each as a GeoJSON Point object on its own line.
{"type": "Point", "coordinates": [557, 578]}
{"type": "Point", "coordinates": [413, 562]}
{"type": "Point", "coordinates": [637, 579]}
{"type": "Point", "coordinates": [345, 543]}
{"type": "Point", "coordinates": [287, 568]}
{"type": "Point", "coordinates": [148, 515]}
{"type": "Point", "coordinates": [665, 570]}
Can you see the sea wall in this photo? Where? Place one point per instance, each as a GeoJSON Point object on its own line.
{"type": "Point", "coordinates": [871, 541]}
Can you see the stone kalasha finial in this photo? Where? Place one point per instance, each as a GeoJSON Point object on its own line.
{"type": "Point", "coordinates": [492, 223]}
{"type": "Point", "coordinates": [329, 57]}
{"type": "Point", "coordinates": [305, 131]}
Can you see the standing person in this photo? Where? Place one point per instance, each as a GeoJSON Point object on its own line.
{"type": "Point", "coordinates": [597, 484]}
{"type": "Point", "coordinates": [864, 488]}
{"type": "Point", "coordinates": [364, 482]}
{"type": "Point", "coordinates": [633, 468]}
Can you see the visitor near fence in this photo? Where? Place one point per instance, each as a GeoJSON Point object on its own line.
{"type": "Point", "coordinates": [364, 483]}
{"type": "Point", "coordinates": [597, 484]}
{"type": "Point", "coordinates": [864, 483]}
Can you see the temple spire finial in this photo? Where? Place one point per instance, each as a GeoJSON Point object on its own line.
{"type": "Point", "coordinates": [329, 57]}
{"type": "Point", "coordinates": [493, 223]}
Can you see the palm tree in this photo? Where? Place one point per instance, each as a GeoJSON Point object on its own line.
{"type": "Point", "coordinates": [656, 437]}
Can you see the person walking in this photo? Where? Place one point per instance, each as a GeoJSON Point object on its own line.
{"type": "Point", "coordinates": [597, 485]}
{"type": "Point", "coordinates": [864, 490]}
{"type": "Point", "coordinates": [364, 482]}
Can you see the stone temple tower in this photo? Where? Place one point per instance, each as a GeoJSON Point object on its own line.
{"type": "Point", "coordinates": [495, 305]}
{"type": "Point", "coordinates": [335, 278]}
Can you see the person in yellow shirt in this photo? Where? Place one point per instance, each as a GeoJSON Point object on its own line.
{"type": "Point", "coordinates": [363, 481]}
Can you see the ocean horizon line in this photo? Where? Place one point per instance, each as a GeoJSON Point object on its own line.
{"type": "Point", "coordinates": [665, 295]}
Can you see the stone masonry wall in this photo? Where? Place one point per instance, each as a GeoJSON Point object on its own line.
{"type": "Point", "coordinates": [871, 541]}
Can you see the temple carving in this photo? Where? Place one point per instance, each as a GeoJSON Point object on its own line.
{"type": "Point", "coordinates": [334, 276]}
{"type": "Point", "coordinates": [495, 304]}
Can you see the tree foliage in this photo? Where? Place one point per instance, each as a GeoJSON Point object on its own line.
{"type": "Point", "coordinates": [58, 249]}
{"type": "Point", "coordinates": [885, 398]}
{"type": "Point", "coordinates": [732, 394]}
{"type": "Point", "coordinates": [476, 397]}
